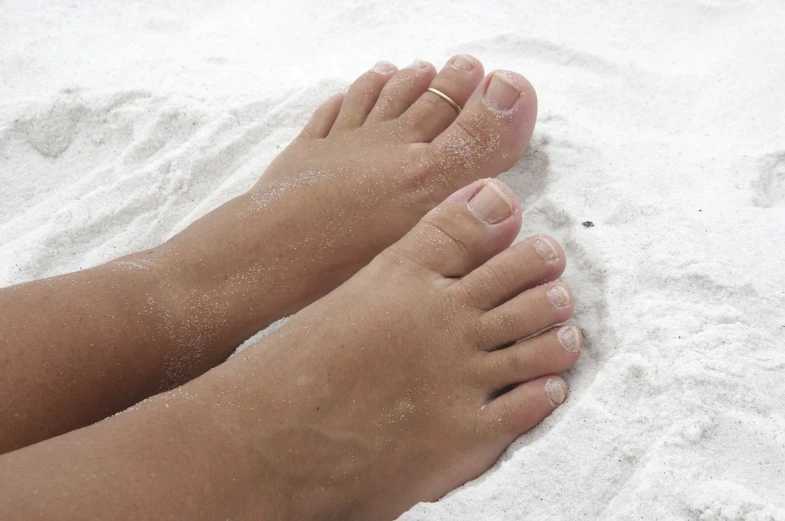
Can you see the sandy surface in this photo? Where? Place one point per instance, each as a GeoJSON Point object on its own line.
{"type": "Point", "coordinates": [660, 122]}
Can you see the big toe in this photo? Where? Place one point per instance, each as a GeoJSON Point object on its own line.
{"type": "Point", "coordinates": [468, 228]}
{"type": "Point", "coordinates": [491, 133]}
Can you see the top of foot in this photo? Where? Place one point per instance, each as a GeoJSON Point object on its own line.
{"type": "Point", "coordinates": [363, 171]}
{"type": "Point", "coordinates": [410, 379]}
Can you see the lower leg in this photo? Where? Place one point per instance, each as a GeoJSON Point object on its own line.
{"type": "Point", "coordinates": [166, 459]}
{"type": "Point", "coordinates": [79, 347]}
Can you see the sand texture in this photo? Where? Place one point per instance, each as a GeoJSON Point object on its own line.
{"type": "Point", "coordinates": [662, 123]}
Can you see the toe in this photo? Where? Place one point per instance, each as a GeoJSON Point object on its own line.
{"type": "Point", "coordinates": [521, 408]}
{"type": "Point", "coordinates": [363, 95]}
{"type": "Point", "coordinates": [323, 119]}
{"type": "Point", "coordinates": [531, 311]}
{"type": "Point", "coordinates": [464, 231]}
{"type": "Point", "coordinates": [529, 263]}
{"type": "Point", "coordinates": [402, 90]}
{"type": "Point", "coordinates": [552, 352]}
{"type": "Point", "coordinates": [431, 114]}
{"type": "Point", "coordinates": [492, 132]}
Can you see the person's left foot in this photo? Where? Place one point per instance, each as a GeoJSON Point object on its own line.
{"type": "Point", "coordinates": [364, 170]}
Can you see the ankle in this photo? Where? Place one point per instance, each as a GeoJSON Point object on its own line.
{"type": "Point", "coordinates": [193, 328]}
{"type": "Point", "coordinates": [282, 454]}
{"type": "Point", "coordinates": [250, 267]}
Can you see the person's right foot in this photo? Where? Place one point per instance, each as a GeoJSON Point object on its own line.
{"type": "Point", "coordinates": [406, 381]}
{"type": "Point", "coordinates": [367, 166]}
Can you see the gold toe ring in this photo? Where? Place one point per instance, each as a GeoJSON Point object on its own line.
{"type": "Point", "coordinates": [446, 98]}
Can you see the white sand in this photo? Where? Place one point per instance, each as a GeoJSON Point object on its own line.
{"type": "Point", "coordinates": [660, 122]}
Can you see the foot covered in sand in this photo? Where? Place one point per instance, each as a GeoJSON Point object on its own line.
{"type": "Point", "coordinates": [409, 379]}
{"type": "Point", "coordinates": [365, 169]}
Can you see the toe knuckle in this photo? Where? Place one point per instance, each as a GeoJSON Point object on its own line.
{"type": "Point", "coordinates": [473, 136]}
{"type": "Point", "coordinates": [467, 146]}
{"type": "Point", "coordinates": [396, 255]}
{"type": "Point", "coordinates": [432, 103]}
{"type": "Point", "coordinates": [500, 278]}
{"type": "Point", "coordinates": [517, 364]}
{"type": "Point", "coordinates": [442, 226]}
{"type": "Point", "coordinates": [441, 167]}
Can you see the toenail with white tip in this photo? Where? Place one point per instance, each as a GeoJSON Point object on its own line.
{"type": "Point", "coordinates": [559, 297]}
{"type": "Point", "coordinates": [418, 64]}
{"type": "Point", "coordinates": [569, 339]}
{"type": "Point", "coordinates": [462, 63]}
{"type": "Point", "coordinates": [546, 249]}
{"type": "Point", "coordinates": [502, 92]}
{"type": "Point", "coordinates": [491, 205]}
{"type": "Point", "coordinates": [556, 392]}
{"type": "Point", "coordinates": [383, 67]}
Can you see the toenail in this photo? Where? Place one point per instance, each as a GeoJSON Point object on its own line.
{"type": "Point", "coordinates": [569, 339]}
{"type": "Point", "coordinates": [556, 392]}
{"type": "Point", "coordinates": [502, 92]}
{"type": "Point", "coordinates": [419, 64]}
{"type": "Point", "coordinates": [546, 249]}
{"type": "Point", "coordinates": [491, 204]}
{"type": "Point", "coordinates": [559, 297]}
{"type": "Point", "coordinates": [383, 67]}
{"type": "Point", "coordinates": [461, 62]}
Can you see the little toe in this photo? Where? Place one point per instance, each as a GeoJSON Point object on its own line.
{"type": "Point", "coordinates": [529, 263]}
{"type": "Point", "coordinates": [402, 90]}
{"type": "Point", "coordinates": [532, 311]}
{"type": "Point", "coordinates": [363, 95]}
{"type": "Point", "coordinates": [521, 408]}
{"type": "Point", "coordinates": [323, 118]}
{"type": "Point", "coordinates": [431, 114]}
{"type": "Point", "coordinates": [467, 229]}
{"type": "Point", "coordinates": [551, 352]}
{"type": "Point", "coordinates": [491, 133]}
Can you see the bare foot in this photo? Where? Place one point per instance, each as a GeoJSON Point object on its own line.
{"type": "Point", "coordinates": [400, 385]}
{"type": "Point", "coordinates": [407, 381]}
{"type": "Point", "coordinates": [368, 165]}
